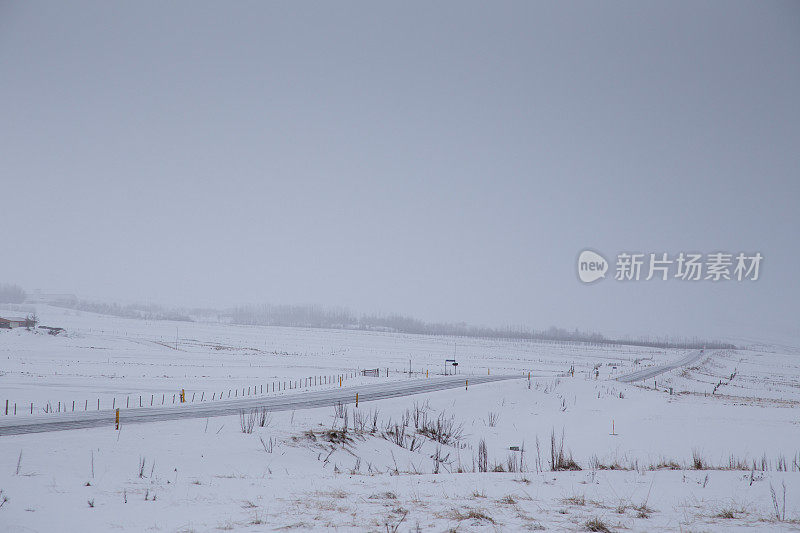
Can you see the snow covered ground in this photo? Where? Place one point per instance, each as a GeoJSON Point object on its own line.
{"type": "Point", "coordinates": [696, 460]}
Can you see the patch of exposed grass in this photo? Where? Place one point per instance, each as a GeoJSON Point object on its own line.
{"type": "Point", "coordinates": [384, 496]}
{"type": "Point", "coordinates": [595, 524]}
{"type": "Point", "coordinates": [575, 499]}
{"type": "Point", "coordinates": [664, 464]}
{"type": "Point", "coordinates": [643, 511]}
{"type": "Point", "coordinates": [472, 514]}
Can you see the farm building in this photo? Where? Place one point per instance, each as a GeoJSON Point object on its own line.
{"type": "Point", "coordinates": [9, 323]}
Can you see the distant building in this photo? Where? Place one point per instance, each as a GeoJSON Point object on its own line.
{"type": "Point", "coordinates": [9, 323]}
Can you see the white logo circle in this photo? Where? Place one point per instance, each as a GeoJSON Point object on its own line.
{"type": "Point", "coordinates": [591, 266]}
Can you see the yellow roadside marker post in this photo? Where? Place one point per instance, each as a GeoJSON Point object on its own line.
{"type": "Point", "coordinates": [356, 399]}
{"type": "Point", "coordinates": [117, 421]}
{"type": "Point", "coordinates": [466, 387]}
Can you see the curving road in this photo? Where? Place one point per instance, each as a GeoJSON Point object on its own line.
{"type": "Point", "coordinates": [306, 400]}
{"type": "Point", "coordinates": [654, 371]}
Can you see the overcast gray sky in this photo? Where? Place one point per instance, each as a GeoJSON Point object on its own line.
{"type": "Point", "coordinates": [447, 160]}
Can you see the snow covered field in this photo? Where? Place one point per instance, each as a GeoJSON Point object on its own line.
{"type": "Point", "coordinates": [103, 357]}
{"type": "Point", "coordinates": [687, 461]}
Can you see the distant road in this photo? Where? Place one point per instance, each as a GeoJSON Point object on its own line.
{"type": "Point", "coordinates": [653, 371]}
{"type": "Point", "coordinates": [307, 400]}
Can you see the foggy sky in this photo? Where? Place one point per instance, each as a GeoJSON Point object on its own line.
{"type": "Point", "coordinates": [447, 160]}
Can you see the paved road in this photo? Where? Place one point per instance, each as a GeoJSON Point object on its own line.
{"type": "Point", "coordinates": [653, 371]}
{"type": "Point", "coordinates": [306, 400]}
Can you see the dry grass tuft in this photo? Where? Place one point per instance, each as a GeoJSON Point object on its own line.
{"type": "Point", "coordinates": [595, 524]}
{"type": "Point", "coordinates": [575, 499]}
{"type": "Point", "coordinates": [472, 514]}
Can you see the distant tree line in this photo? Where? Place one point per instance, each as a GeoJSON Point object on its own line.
{"type": "Point", "coordinates": [11, 294]}
{"type": "Point", "coordinates": [317, 316]}
{"type": "Point", "coordinates": [314, 316]}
